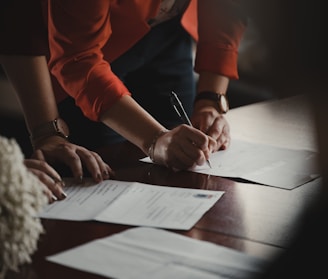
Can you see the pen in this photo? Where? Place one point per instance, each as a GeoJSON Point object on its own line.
{"type": "Point", "coordinates": [176, 103]}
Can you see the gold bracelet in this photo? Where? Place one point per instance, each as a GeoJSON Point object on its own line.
{"type": "Point", "coordinates": [151, 149]}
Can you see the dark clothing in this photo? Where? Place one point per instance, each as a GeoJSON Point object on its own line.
{"type": "Point", "coordinates": [160, 62]}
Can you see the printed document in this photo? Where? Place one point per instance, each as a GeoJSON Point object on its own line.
{"type": "Point", "coordinates": [140, 253]}
{"type": "Point", "coordinates": [262, 163]}
{"type": "Point", "coordinates": [133, 203]}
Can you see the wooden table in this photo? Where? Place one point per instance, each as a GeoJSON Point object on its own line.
{"type": "Point", "coordinates": [252, 218]}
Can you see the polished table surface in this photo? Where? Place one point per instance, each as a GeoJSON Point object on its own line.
{"type": "Point", "coordinates": [252, 218]}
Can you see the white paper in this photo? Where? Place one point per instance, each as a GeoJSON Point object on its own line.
{"type": "Point", "coordinates": [133, 203]}
{"type": "Point", "coordinates": [262, 163]}
{"type": "Point", "coordinates": [287, 122]}
{"type": "Point", "coordinates": [158, 254]}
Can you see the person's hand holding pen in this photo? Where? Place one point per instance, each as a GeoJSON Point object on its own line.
{"type": "Point", "coordinates": [177, 105]}
{"type": "Point", "coordinates": [181, 148]}
{"type": "Point", "coordinates": [184, 146]}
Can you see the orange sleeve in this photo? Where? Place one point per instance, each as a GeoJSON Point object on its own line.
{"type": "Point", "coordinates": [77, 32]}
{"type": "Point", "coordinates": [221, 25]}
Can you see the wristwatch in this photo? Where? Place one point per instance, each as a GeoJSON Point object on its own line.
{"type": "Point", "coordinates": [222, 104]}
{"type": "Point", "coordinates": [56, 127]}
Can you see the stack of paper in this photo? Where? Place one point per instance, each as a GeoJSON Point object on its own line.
{"type": "Point", "coordinates": [141, 253]}
{"type": "Point", "coordinates": [261, 163]}
{"type": "Point", "coordinates": [133, 203]}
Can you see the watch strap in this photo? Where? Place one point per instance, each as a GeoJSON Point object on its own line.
{"type": "Point", "coordinates": [219, 98]}
{"type": "Point", "coordinates": [56, 127]}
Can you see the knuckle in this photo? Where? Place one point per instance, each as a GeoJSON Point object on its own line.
{"type": "Point", "coordinates": [43, 164]}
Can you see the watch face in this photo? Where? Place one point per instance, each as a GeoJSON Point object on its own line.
{"type": "Point", "coordinates": [62, 128]}
{"type": "Point", "coordinates": [223, 104]}
{"type": "Point", "coordinates": [219, 99]}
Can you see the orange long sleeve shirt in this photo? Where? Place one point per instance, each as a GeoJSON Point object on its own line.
{"type": "Point", "coordinates": [86, 36]}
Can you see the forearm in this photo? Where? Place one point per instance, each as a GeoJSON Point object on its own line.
{"type": "Point", "coordinates": [212, 82]}
{"type": "Point", "coordinates": [134, 124]}
{"type": "Point", "coordinates": [30, 78]}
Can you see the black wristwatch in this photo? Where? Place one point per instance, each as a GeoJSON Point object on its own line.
{"type": "Point", "coordinates": [55, 127]}
{"type": "Point", "coordinates": [222, 104]}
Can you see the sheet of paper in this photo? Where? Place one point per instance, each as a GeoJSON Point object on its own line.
{"type": "Point", "coordinates": [155, 253]}
{"type": "Point", "coordinates": [287, 122]}
{"type": "Point", "coordinates": [133, 203]}
{"type": "Point", "coordinates": [262, 163]}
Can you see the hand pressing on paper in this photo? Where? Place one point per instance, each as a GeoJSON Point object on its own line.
{"type": "Point", "coordinates": [182, 148]}
{"type": "Point", "coordinates": [57, 149]}
{"type": "Point", "coordinates": [53, 184]}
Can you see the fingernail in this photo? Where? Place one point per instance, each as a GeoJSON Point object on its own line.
{"type": "Point", "coordinates": [99, 177]}
{"type": "Point", "coordinates": [54, 198]}
{"type": "Point", "coordinates": [63, 195]}
{"type": "Point", "coordinates": [105, 174]}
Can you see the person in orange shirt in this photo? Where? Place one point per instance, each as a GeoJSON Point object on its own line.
{"type": "Point", "coordinates": [117, 62]}
{"type": "Point", "coordinates": [114, 64]}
